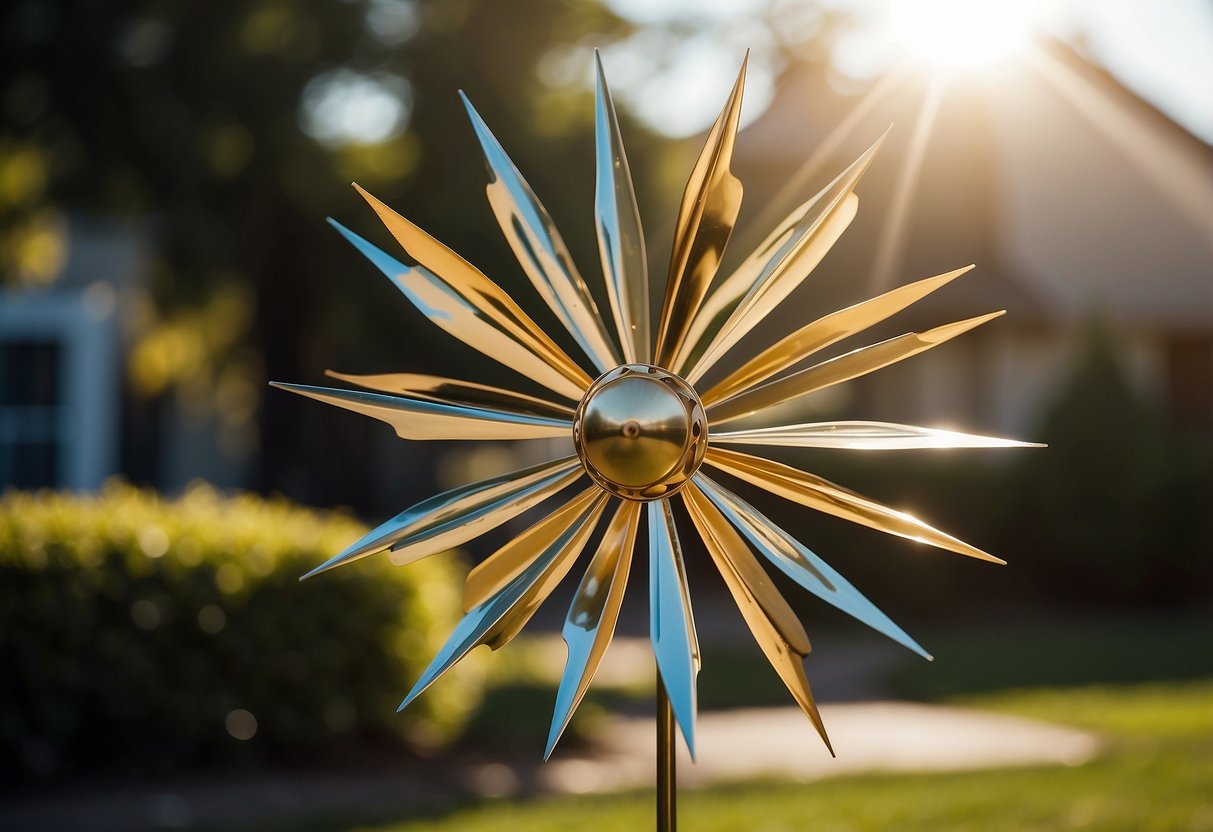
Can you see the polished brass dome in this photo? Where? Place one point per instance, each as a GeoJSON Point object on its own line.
{"type": "Point", "coordinates": [641, 432]}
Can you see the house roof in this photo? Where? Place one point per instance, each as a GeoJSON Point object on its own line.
{"type": "Point", "coordinates": [1071, 194]}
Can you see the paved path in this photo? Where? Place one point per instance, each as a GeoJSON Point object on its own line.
{"type": "Point", "coordinates": [781, 743]}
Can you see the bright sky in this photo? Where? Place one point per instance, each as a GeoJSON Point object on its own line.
{"type": "Point", "coordinates": [1163, 50]}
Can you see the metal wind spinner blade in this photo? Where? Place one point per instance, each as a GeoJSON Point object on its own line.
{"type": "Point", "coordinates": [620, 236]}
{"type": "Point", "coordinates": [541, 250]}
{"type": "Point", "coordinates": [642, 430]}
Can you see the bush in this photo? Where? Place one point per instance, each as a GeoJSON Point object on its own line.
{"type": "Point", "coordinates": [162, 634]}
{"type": "Point", "coordinates": [1115, 511]}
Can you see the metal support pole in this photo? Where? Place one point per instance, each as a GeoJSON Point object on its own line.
{"type": "Point", "coordinates": [667, 810]}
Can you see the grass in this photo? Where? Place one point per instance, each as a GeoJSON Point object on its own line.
{"type": "Point", "coordinates": [1154, 775]}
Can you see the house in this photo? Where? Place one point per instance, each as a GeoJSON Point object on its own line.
{"type": "Point", "coordinates": [1076, 199]}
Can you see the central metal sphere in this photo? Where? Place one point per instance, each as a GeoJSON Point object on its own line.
{"type": "Point", "coordinates": [641, 432]}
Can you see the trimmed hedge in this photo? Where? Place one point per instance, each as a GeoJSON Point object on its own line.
{"type": "Point", "coordinates": [151, 633]}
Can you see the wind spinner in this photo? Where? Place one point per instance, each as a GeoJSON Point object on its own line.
{"type": "Point", "coordinates": [644, 432]}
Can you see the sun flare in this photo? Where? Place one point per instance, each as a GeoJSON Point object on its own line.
{"type": "Point", "coordinates": [960, 33]}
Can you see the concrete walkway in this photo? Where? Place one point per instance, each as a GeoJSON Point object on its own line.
{"type": "Point", "coordinates": [781, 743]}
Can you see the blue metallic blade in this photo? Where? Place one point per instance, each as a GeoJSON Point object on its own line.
{"type": "Point", "coordinates": [446, 520]}
{"type": "Point", "coordinates": [479, 314]}
{"type": "Point", "coordinates": [802, 565]}
{"type": "Point", "coordinates": [540, 249]}
{"type": "Point", "coordinates": [422, 419]}
{"type": "Point", "coordinates": [671, 624]}
{"type": "Point", "coordinates": [592, 616]}
{"type": "Point", "coordinates": [498, 620]}
{"type": "Point", "coordinates": [620, 235]}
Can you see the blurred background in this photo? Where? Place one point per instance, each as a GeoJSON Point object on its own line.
{"type": "Point", "coordinates": [165, 173]}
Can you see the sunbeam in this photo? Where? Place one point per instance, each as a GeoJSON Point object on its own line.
{"type": "Point", "coordinates": [890, 248]}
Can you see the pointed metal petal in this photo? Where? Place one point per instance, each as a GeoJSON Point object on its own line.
{"type": "Point", "coordinates": [455, 392]}
{"type": "Point", "coordinates": [837, 370]}
{"type": "Point", "coordinates": [876, 436]}
{"type": "Point", "coordinates": [499, 619]}
{"type": "Point", "coordinates": [739, 567]}
{"type": "Point", "coordinates": [800, 564]}
{"type": "Point", "coordinates": [709, 331]}
{"type": "Point", "coordinates": [457, 296]}
{"type": "Point", "coordinates": [590, 624]}
{"type": "Point", "coordinates": [770, 619]}
{"type": "Point", "coordinates": [459, 515]}
{"type": "Point", "coordinates": [540, 249]}
{"type": "Point", "coordinates": [492, 574]}
{"type": "Point", "coordinates": [823, 332]}
{"type": "Point", "coordinates": [823, 495]}
{"type": "Point", "coordinates": [620, 236]}
{"type": "Point", "coordinates": [671, 623]}
{"type": "Point", "coordinates": [422, 419]}
{"type": "Point", "coordinates": [705, 222]}
{"type": "Point", "coordinates": [780, 264]}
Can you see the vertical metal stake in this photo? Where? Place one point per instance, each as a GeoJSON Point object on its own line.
{"type": "Point", "coordinates": [667, 809]}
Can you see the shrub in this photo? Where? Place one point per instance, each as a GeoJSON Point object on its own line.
{"type": "Point", "coordinates": [1115, 511]}
{"type": "Point", "coordinates": [162, 633]}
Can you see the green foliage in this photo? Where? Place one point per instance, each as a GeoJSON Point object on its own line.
{"type": "Point", "coordinates": [139, 631]}
{"type": "Point", "coordinates": [1062, 653]}
{"type": "Point", "coordinates": [1115, 511]}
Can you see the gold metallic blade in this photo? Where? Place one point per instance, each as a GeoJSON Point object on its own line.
{"type": "Point", "coordinates": [424, 419]}
{"type": "Point", "coordinates": [740, 568]}
{"type": "Point", "coordinates": [823, 332]}
{"type": "Point", "coordinates": [774, 626]}
{"type": "Point", "coordinates": [780, 264]}
{"type": "Point", "coordinates": [569, 546]}
{"type": "Point", "coordinates": [837, 370]}
{"type": "Point", "coordinates": [823, 495]}
{"type": "Point", "coordinates": [459, 515]}
{"type": "Point", "coordinates": [873, 436]}
{"type": "Point", "coordinates": [540, 249]}
{"type": "Point", "coordinates": [801, 564]}
{"type": "Point", "coordinates": [705, 222]}
{"type": "Point", "coordinates": [590, 624]}
{"type": "Point", "coordinates": [671, 621]}
{"type": "Point", "coordinates": [455, 392]}
{"type": "Point", "coordinates": [492, 574]}
{"type": "Point", "coordinates": [459, 298]}
{"type": "Point", "coordinates": [620, 236]}
{"type": "Point", "coordinates": [500, 618]}
{"type": "Point", "coordinates": [711, 326]}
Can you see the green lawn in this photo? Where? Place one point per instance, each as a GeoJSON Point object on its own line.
{"type": "Point", "coordinates": [1155, 774]}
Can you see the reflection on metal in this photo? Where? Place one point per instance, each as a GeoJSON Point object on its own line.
{"type": "Point", "coordinates": [541, 250]}
{"type": "Point", "coordinates": [671, 624]}
{"type": "Point", "coordinates": [459, 515]}
{"type": "Point", "coordinates": [426, 419]}
{"type": "Point", "coordinates": [620, 236]}
{"type": "Point", "coordinates": [825, 332]}
{"type": "Point", "coordinates": [457, 393]}
{"type": "Point", "coordinates": [776, 628]}
{"type": "Point", "coordinates": [837, 370]}
{"type": "Point", "coordinates": [863, 436]}
{"type": "Point", "coordinates": [800, 564]}
{"type": "Point", "coordinates": [492, 574]}
{"type": "Point", "coordinates": [823, 495]}
{"type": "Point", "coordinates": [590, 624]}
{"type": "Point", "coordinates": [780, 264]}
{"type": "Point", "coordinates": [498, 620]}
{"type": "Point", "coordinates": [641, 430]}
{"type": "Point", "coordinates": [454, 294]}
{"type": "Point", "coordinates": [705, 222]}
